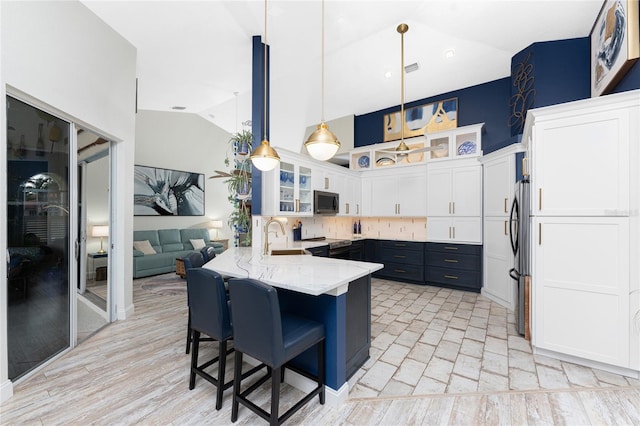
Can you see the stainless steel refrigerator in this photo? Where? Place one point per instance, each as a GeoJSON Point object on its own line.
{"type": "Point", "coordinates": [519, 233]}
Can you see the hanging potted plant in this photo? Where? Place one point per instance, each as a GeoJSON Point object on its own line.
{"type": "Point", "coordinates": [239, 184]}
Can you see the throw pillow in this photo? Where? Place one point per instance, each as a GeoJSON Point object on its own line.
{"type": "Point", "coordinates": [144, 247]}
{"type": "Point", "coordinates": [197, 243]}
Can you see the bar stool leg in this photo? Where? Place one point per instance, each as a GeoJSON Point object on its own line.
{"type": "Point", "coordinates": [194, 358]}
{"type": "Point", "coordinates": [275, 395]}
{"type": "Point", "coordinates": [222, 362]}
{"type": "Point", "coordinates": [237, 375]}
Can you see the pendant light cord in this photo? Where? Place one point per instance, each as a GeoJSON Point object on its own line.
{"type": "Point", "coordinates": [322, 85]}
{"type": "Point", "coordinates": [402, 87]}
{"type": "Point", "coordinates": [264, 124]}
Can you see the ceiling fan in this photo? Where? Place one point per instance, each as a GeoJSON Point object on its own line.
{"type": "Point", "coordinates": [402, 150]}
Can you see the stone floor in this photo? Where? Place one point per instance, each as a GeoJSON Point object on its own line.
{"type": "Point", "coordinates": [429, 340]}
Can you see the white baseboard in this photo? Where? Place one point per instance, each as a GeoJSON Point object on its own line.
{"type": "Point", "coordinates": [6, 390]}
{"type": "Point", "coordinates": [588, 363]}
{"type": "Point", "coordinates": [123, 314]}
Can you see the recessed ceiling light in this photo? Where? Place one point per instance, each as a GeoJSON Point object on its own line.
{"type": "Point", "coordinates": [178, 108]}
{"type": "Point", "coordinates": [388, 74]}
{"type": "Point", "coordinates": [449, 53]}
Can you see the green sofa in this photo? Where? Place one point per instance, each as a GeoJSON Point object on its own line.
{"type": "Point", "coordinates": [169, 244]}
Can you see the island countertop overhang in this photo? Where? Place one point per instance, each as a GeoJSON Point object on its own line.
{"type": "Point", "coordinates": [305, 274]}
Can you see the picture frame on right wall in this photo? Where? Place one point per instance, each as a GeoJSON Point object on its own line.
{"type": "Point", "coordinates": [615, 44]}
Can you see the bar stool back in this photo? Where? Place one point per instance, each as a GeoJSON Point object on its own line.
{"type": "Point", "coordinates": [209, 315]}
{"type": "Point", "coordinates": [192, 260]}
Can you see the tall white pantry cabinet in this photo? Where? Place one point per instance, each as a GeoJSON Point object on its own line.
{"type": "Point", "coordinates": [584, 160]}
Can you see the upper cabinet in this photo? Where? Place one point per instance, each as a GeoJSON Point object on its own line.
{"type": "Point", "coordinates": [460, 142]}
{"type": "Point", "coordinates": [395, 193]}
{"type": "Point", "coordinates": [288, 189]}
{"type": "Point", "coordinates": [580, 163]}
{"type": "Point", "coordinates": [383, 156]}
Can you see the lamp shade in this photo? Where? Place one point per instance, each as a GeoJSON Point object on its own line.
{"type": "Point", "coordinates": [100, 231]}
{"type": "Point", "coordinates": [322, 144]}
{"type": "Point", "coordinates": [216, 224]}
{"type": "Point", "coordinates": [264, 157]}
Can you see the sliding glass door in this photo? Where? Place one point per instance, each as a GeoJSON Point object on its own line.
{"type": "Point", "coordinates": [38, 236]}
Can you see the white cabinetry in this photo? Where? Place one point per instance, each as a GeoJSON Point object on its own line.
{"type": "Point", "coordinates": [346, 183]}
{"type": "Point", "coordinates": [454, 202]}
{"type": "Point", "coordinates": [288, 189]}
{"type": "Point", "coordinates": [460, 142]}
{"type": "Point", "coordinates": [498, 180]}
{"type": "Point", "coordinates": [585, 190]}
{"type": "Point", "coordinates": [395, 192]}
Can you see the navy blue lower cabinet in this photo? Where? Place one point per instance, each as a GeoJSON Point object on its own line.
{"type": "Point", "coordinates": [356, 250]}
{"type": "Point", "coordinates": [457, 266]}
{"type": "Point", "coordinates": [403, 261]}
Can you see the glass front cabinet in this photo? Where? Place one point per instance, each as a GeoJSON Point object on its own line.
{"type": "Point", "coordinates": [294, 192]}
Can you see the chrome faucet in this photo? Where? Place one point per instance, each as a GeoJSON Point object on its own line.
{"type": "Point", "coordinates": [266, 233]}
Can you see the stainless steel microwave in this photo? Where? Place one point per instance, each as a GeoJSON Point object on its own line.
{"type": "Point", "coordinates": [325, 202]}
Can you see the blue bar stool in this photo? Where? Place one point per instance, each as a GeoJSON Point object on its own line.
{"type": "Point", "coordinates": [193, 260]}
{"type": "Point", "coordinates": [209, 315]}
{"type": "Point", "coordinates": [274, 338]}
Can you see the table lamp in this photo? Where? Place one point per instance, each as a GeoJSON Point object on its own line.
{"type": "Point", "coordinates": [216, 224]}
{"type": "Point", "coordinates": [100, 231]}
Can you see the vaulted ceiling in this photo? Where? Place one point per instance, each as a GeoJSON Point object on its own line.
{"type": "Point", "coordinates": [197, 54]}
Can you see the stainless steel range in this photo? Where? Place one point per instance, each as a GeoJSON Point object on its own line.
{"type": "Point", "coordinates": [338, 249]}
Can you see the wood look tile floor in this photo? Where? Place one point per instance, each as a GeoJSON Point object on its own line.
{"type": "Point", "coordinates": [438, 357]}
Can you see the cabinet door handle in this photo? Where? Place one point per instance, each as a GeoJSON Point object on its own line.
{"type": "Point", "coordinates": [298, 205]}
{"type": "Point", "coordinates": [451, 260]}
{"type": "Point", "coordinates": [346, 208]}
{"type": "Point", "coordinates": [539, 198]}
{"type": "Point", "coordinates": [451, 277]}
{"type": "Point", "coordinates": [398, 208]}
{"type": "Point", "coordinates": [449, 207]}
{"type": "Point", "coordinates": [454, 232]}
{"type": "Point", "coordinates": [397, 256]}
{"type": "Point", "coordinates": [505, 205]}
{"type": "Point", "coordinates": [402, 271]}
{"type": "Point", "coordinates": [453, 207]}
{"type": "Point", "coordinates": [505, 228]}
{"type": "Point", "coordinates": [449, 232]}
{"type": "Point", "coordinates": [525, 164]}
{"type": "Point", "coordinates": [326, 183]}
{"type": "Point", "coordinates": [451, 248]}
{"type": "Point", "coordinates": [357, 208]}
{"type": "Point", "coordinates": [400, 245]}
{"type": "Point", "coordinates": [539, 234]}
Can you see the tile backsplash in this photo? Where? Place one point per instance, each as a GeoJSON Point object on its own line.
{"type": "Point", "coordinates": [407, 229]}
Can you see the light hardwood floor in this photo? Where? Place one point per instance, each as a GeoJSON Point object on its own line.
{"type": "Point", "coordinates": [136, 372]}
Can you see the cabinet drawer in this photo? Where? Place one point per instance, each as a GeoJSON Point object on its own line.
{"type": "Point", "coordinates": [463, 279]}
{"type": "Point", "coordinates": [455, 248]}
{"type": "Point", "coordinates": [453, 260]}
{"type": "Point", "coordinates": [405, 257]}
{"type": "Point", "coordinates": [402, 245]}
{"type": "Point", "coordinates": [403, 272]}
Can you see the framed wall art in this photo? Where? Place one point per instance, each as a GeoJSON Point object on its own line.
{"type": "Point", "coordinates": [615, 44]}
{"type": "Point", "coordinates": [166, 192]}
{"type": "Point", "coordinates": [433, 117]}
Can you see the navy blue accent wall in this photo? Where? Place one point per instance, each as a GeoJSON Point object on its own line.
{"type": "Point", "coordinates": [485, 103]}
{"type": "Point", "coordinates": [548, 73]}
{"type": "Point", "coordinates": [258, 122]}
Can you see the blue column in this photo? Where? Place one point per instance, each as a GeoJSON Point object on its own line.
{"type": "Point", "coordinates": [259, 126]}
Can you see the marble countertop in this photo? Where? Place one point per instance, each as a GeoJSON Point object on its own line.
{"type": "Point", "coordinates": [303, 273]}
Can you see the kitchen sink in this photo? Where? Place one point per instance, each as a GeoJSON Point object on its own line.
{"type": "Point", "coordinates": [289, 252]}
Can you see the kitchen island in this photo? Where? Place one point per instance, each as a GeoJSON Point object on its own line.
{"type": "Point", "coordinates": [335, 292]}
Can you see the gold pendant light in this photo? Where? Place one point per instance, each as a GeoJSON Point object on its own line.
{"type": "Point", "coordinates": [322, 144]}
{"type": "Point", "coordinates": [264, 157]}
{"type": "Point", "coordinates": [402, 147]}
